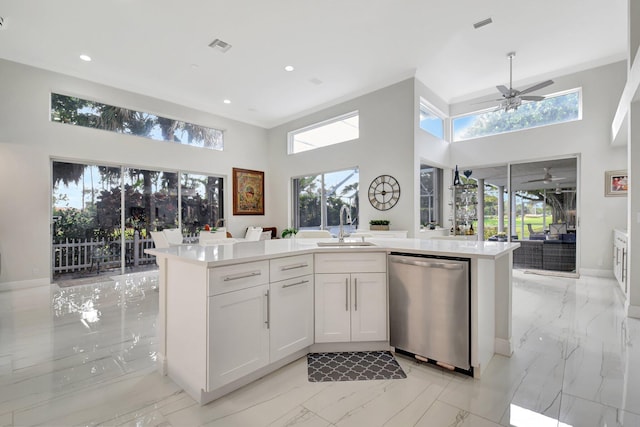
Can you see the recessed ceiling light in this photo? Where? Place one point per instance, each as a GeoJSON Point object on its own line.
{"type": "Point", "coordinates": [86, 58]}
{"type": "Point", "coordinates": [289, 68]}
{"type": "Point", "coordinates": [227, 101]}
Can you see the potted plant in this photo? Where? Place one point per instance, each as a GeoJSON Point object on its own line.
{"type": "Point", "coordinates": [379, 224]}
{"type": "Point", "coordinates": [289, 232]}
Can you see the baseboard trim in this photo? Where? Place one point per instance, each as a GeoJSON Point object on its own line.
{"type": "Point", "coordinates": [24, 284]}
{"type": "Point", "coordinates": [633, 311]}
{"type": "Point", "coordinates": [594, 272]}
{"type": "Point", "coordinates": [503, 347]}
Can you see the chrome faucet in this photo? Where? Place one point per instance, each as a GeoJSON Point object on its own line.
{"type": "Point", "coordinates": [220, 223]}
{"type": "Point", "coordinates": [341, 233]}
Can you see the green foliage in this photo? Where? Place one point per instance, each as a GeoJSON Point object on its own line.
{"type": "Point", "coordinates": [72, 223]}
{"type": "Point", "coordinates": [551, 110]}
{"type": "Point", "coordinates": [82, 112]}
{"type": "Point", "coordinates": [289, 232]}
{"type": "Point", "coordinates": [379, 222]}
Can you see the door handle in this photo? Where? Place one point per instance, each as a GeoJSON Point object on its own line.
{"type": "Point", "coordinates": [355, 286]}
{"type": "Point", "coordinates": [427, 264]}
{"type": "Point", "coordinates": [293, 267]}
{"type": "Point", "coordinates": [346, 294]}
{"type": "Point", "coordinates": [302, 282]}
{"type": "Point", "coordinates": [268, 321]}
{"type": "Point", "coordinates": [242, 275]}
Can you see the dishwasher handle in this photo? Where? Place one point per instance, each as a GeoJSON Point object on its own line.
{"type": "Point", "coordinates": [428, 264]}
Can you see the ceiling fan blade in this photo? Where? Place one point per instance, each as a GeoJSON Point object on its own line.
{"type": "Point", "coordinates": [532, 98]}
{"type": "Point", "coordinates": [536, 87]}
{"type": "Point", "coordinates": [504, 90]}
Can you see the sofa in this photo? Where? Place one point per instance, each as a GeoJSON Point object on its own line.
{"type": "Point", "coordinates": [555, 255]}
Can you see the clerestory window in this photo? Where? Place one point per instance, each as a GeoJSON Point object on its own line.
{"type": "Point", "coordinates": [82, 112]}
{"type": "Point", "coordinates": [556, 108]}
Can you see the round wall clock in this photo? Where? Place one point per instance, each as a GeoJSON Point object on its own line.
{"type": "Point", "coordinates": [384, 192]}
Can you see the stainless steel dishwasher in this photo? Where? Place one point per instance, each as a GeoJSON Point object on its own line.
{"type": "Point", "coordinates": [429, 309]}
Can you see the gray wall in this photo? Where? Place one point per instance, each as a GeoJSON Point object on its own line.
{"type": "Point", "coordinates": [29, 140]}
{"type": "Point", "coordinates": [389, 143]}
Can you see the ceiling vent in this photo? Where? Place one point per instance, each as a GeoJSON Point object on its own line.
{"type": "Point", "coordinates": [220, 45]}
{"type": "Point", "coordinates": [482, 23]}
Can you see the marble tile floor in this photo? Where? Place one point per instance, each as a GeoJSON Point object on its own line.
{"type": "Point", "coordinates": [85, 355]}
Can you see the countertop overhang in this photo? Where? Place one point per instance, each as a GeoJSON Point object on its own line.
{"type": "Point", "coordinates": [223, 254]}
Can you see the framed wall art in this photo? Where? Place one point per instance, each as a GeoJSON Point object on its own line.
{"type": "Point", "coordinates": [616, 183]}
{"type": "Point", "coordinates": [248, 192]}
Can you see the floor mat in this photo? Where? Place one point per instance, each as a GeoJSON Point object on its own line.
{"type": "Point", "coordinates": [353, 366]}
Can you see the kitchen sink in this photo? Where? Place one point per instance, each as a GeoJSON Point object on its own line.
{"type": "Point", "coordinates": [344, 244]}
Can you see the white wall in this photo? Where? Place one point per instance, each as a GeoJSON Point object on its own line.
{"type": "Point", "coordinates": [589, 137]}
{"type": "Point", "coordinates": [28, 140]}
{"type": "Point", "coordinates": [389, 143]}
{"type": "Point", "coordinates": [385, 146]}
{"type": "Point", "coordinates": [432, 151]}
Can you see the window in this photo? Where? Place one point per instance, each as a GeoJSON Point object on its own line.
{"type": "Point", "coordinates": [82, 112]}
{"type": "Point", "coordinates": [329, 132]}
{"type": "Point", "coordinates": [317, 200]}
{"type": "Point", "coordinates": [430, 121]}
{"type": "Point", "coordinates": [556, 108]}
{"type": "Point", "coordinates": [90, 213]}
{"type": "Point", "coordinates": [430, 195]}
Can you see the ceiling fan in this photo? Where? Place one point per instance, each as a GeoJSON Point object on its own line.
{"type": "Point", "coordinates": [512, 98]}
{"type": "Point", "coordinates": [560, 190]}
{"type": "Point", "coordinates": [546, 179]}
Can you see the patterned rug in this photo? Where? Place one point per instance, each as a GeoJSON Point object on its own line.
{"type": "Point", "coordinates": [353, 366]}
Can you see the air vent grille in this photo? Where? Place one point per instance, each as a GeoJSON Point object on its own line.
{"type": "Point", "coordinates": [482, 23]}
{"type": "Point", "coordinates": [220, 45]}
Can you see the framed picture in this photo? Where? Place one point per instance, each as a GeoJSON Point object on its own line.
{"type": "Point", "coordinates": [616, 183]}
{"type": "Point", "coordinates": [248, 192]}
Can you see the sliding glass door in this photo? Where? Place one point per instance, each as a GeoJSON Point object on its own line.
{"type": "Point", "coordinates": [102, 215]}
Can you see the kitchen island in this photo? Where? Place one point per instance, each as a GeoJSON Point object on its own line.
{"type": "Point", "coordinates": [230, 314]}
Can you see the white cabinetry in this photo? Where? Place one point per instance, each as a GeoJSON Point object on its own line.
{"type": "Point", "coordinates": [350, 297]}
{"type": "Point", "coordinates": [238, 334]}
{"type": "Point", "coordinates": [259, 313]}
{"type": "Point", "coordinates": [290, 305]}
{"type": "Point", "coordinates": [620, 259]}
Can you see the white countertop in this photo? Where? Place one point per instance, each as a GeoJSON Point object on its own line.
{"type": "Point", "coordinates": [216, 255]}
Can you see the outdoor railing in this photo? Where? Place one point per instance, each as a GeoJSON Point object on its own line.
{"type": "Point", "coordinates": [78, 255]}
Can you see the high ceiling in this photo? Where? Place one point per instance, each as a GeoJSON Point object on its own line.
{"type": "Point", "coordinates": [340, 49]}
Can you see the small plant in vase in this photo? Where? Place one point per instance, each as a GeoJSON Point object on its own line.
{"type": "Point", "coordinates": [289, 233]}
{"type": "Point", "coordinates": [379, 224]}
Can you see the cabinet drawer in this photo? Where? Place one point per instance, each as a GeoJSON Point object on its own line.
{"type": "Point", "coordinates": [368, 262]}
{"type": "Point", "coordinates": [239, 276]}
{"type": "Point", "coordinates": [289, 267]}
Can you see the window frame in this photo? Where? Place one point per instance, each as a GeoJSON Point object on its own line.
{"type": "Point", "coordinates": [431, 109]}
{"type": "Point", "coordinates": [577, 90]}
{"type": "Point", "coordinates": [437, 196]}
{"type": "Point", "coordinates": [324, 225]}
{"type": "Point", "coordinates": [180, 125]}
{"type": "Point", "coordinates": [292, 134]}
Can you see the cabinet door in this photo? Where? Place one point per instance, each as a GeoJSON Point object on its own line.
{"type": "Point", "coordinates": [368, 307]}
{"type": "Point", "coordinates": [291, 314]}
{"type": "Point", "coordinates": [238, 335]}
{"type": "Point", "coordinates": [333, 314]}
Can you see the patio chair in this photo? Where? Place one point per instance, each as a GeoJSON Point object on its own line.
{"type": "Point", "coordinates": [174, 236]}
{"type": "Point", "coordinates": [159, 239]}
{"type": "Point", "coordinates": [253, 234]}
{"type": "Point", "coordinates": [313, 234]}
{"type": "Point", "coordinates": [107, 253]}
